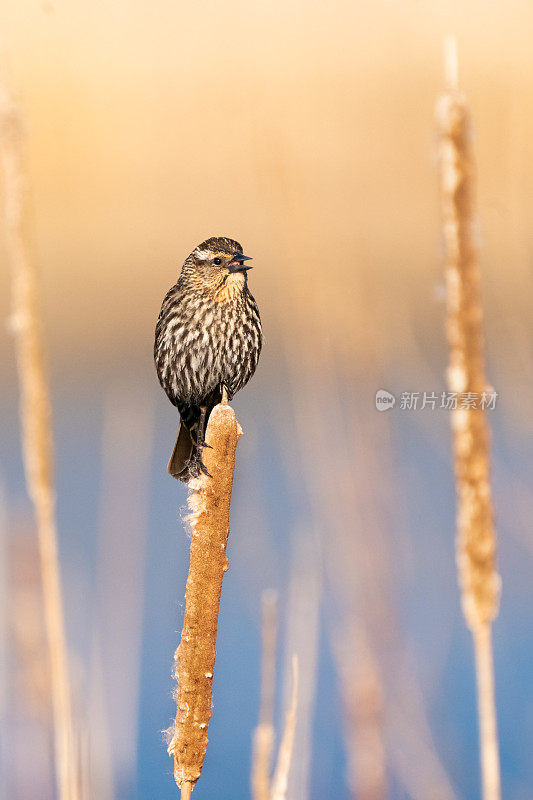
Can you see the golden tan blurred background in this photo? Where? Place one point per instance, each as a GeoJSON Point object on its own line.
{"type": "Point", "coordinates": [306, 131]}
{"type": "Point", "coordinates": [153, 126]}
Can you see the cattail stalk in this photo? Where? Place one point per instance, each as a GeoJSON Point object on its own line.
{"type": "Point", "coordinates": [36, 426]}
{"type": "Point", "coordinates": [209, 504]}
{"type": "Point", "coordinates": [263, 741]}
{"type": "Point", "coordinates": [476, 538]}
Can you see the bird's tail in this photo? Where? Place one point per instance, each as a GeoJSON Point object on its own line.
{"type": "Point", "coordinates": [178, 466]}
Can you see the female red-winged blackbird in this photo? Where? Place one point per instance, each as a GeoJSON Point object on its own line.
{"type": "Point", "coordinates": [208, 337]}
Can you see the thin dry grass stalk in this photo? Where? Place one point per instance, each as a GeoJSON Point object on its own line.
{"type": "Point", "coordinates": [476, 538]}
{"type": "Point", "coordinates": [209, 504]}
{"type": "Point", "coordinates": [36, 428]}
{"type": "Point", "coordinates": [280, 781]}
{"type": "Point", "coordinates": [263, 741]}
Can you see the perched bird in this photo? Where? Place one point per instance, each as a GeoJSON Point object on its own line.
{"type": "Point", "coordinates": [208, 337]}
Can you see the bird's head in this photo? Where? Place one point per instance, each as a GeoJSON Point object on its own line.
{"type": "Point", "coordinates": [218, 264]}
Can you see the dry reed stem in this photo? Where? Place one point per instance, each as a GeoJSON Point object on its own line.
{"type": "Point", "coordinates": [209, 504]}
{"type": "Point", "coordinates": [476, 538]}
{"type": "Point", "coordinates": [280, 781]}
{"type": "Point", "coordinates": [303, 604]}
{"type": "Point", "coordinates": [116, 648]}
{"type": "Point", "coordinates": [186, 789]}
{"type": "Point", "coordinates": [4, 653]}
{"type": "Point", "coordinates": [362, 692]}
{"type": "Point", "coordinates": [263, 740]}
{"type": "Point", "coordinates": [490, 756]}
{"type": "Point", "coordinates": [36, 425]}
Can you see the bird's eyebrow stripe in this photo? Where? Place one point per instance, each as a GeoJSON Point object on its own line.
{"type": "Point", "coordinates": [203, 254]}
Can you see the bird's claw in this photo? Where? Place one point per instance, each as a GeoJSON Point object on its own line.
{"type": "Point", "coordinates": [197, 467]}
{"type": "Point", "coordinates": [203, 469]}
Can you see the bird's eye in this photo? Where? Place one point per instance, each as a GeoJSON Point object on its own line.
{"type": "Point", "coordinates": [217, 261]}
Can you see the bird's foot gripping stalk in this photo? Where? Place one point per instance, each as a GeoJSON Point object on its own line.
{"type": "Point", "coordinates": [196, 466]}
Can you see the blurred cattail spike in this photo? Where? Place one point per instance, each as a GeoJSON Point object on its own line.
{"type": "Point", "coordinates": [476, 538]}
{"type": "Point", "coordinates": [209, 504]}
{"type": "Point", "coordinates": [36, 426]}
{"type": "Point", "coordinates": [264, 733]}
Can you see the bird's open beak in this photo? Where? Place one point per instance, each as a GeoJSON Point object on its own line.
{"type": "Point", "coordinates": [237, 263]}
